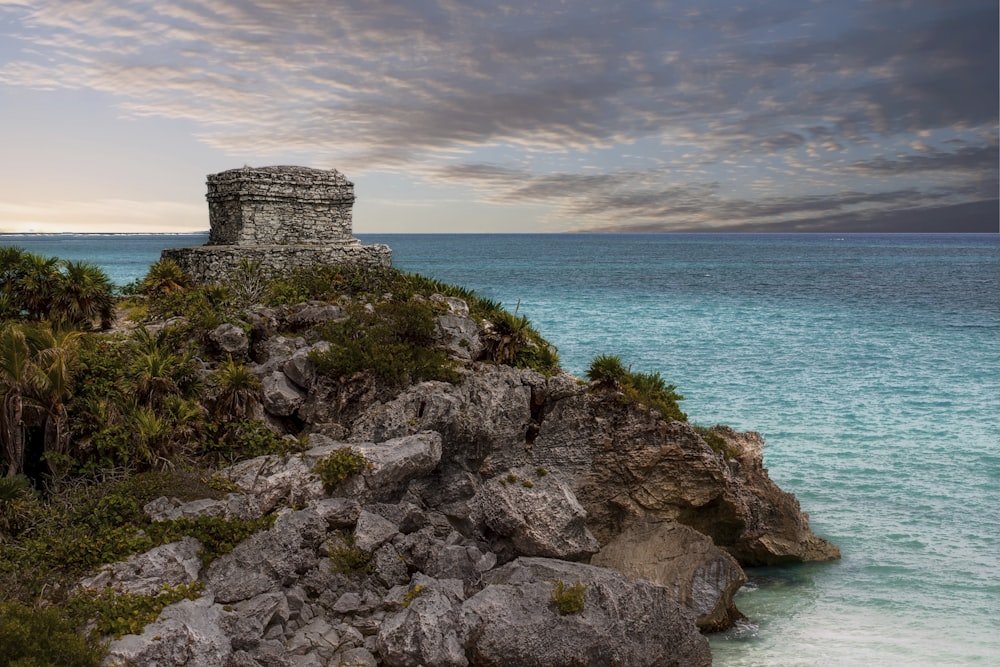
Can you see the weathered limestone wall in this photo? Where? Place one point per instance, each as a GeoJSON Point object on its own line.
{"type": "Point", "coordinates": [279, 205]}
{"type": "Point", "coordinates": [280, 217]}
{"type": "Point", "coordinates": [210, 263]}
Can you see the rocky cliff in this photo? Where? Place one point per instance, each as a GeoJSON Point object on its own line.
{"type": "Point", "coordinates": [505, 518]}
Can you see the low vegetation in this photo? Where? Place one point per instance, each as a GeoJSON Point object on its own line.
{"type": "Point", "coordinates": [607, 373]}
{"type": "Point", "coordinates": [346, 557]}
{"type": "Point", "coordinates": [338, 466]}
{"type": "Point", "coordinates": [568, 599]}
{"type": "Point", "coordinates": [95, 423]}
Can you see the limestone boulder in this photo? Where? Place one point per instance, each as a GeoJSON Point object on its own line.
{"type": "Point", "coordinates": [272, 558]}
{"type": "Point", "coordinates": [233, 506]}
{"type": "Point", "coordinates": [281, 397]}
{"type": "Point", "coordinates": [300, 369]}
{"type": "Point", "coordinates": [230, 339]}
{"type": "Point", "coordinates": [267, 482]}
{"type": "Point", "coordinates": [312, 313]}
{"type": "Point", "coordinates": [537, 512]}
{"type": "Point", "coordinates": [458, 335]}
{"type": "Point", "coordinates": [485, 419]}
{"type": "Point", "coordinates": [188, 633]}
{"type": "Point", "coordinates": [393, 464]}
{"type": "Point", "coordinates": [427, 630]}
{"type": "Point", "coordinates": [513, 621]}
{"type": "Point", "coordinates": [170, 564]}
{"type": "Point", "coordinates": [699, 575]}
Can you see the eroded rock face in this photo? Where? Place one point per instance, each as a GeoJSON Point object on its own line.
{"type": "Point", "coordinates": [513, 620]}
{"type": "Point", "coordinates": [171, 564]}
{"type": "Point", "coordinates": [186, 633]}
{"type": "Point", "coordinates": [538, 513]}
{"type": "Point", "coordinates": [483, 493]}
{"type": "Point", "coordinates": [699, 575]}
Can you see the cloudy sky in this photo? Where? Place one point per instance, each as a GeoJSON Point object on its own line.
{"type": "Point", "coordinates": [516, 116]}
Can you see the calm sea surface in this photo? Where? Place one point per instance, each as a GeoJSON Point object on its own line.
{"type": "Point", "coordinates": [870, 363]}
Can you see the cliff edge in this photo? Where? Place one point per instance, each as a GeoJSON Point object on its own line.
{"type": "Point", "coordinates": [504, 516]}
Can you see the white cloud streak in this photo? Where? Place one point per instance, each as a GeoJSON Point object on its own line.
{"type": "Point", "coordinates": [795, 92]}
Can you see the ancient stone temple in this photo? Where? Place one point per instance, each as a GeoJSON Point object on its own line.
{"type": "Point", "coordinates": [280, 218]}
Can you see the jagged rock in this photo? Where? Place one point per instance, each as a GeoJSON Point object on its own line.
{"type": "Point", "coordinates": [769, 526]}
{"type": "Point", "coordinates": [458, 335]}
{"type": "Point", "coordinates": [488, 414]}
{"type": "Point", "coordinates": [512, 621]}
{"type": "Point", "coordinates": [233, 506]}
{"type": "Point", "coordinates": [338, 512]}
{"type": "Point", "coordinates": [427, 631]}
{"type": "Point", "coordinates": [389, 566]}
{"type": "Point", "coordinates": [230, 339]}
{"type": "Point", "coordinates": [355, 657]}
{"type": "Point", "coordinates": [372, 531]}
{"type": "Point", "coordinates": [187, 633]}
{"type": "Point", "coordinates": [281, 397]}
{"type": "Point", "coordinates": [629, 465]}
{"type": "Point", "coordinates": [698, 574]}
{"type": "Point", "coordinates": [454, 305]}
{"type": "Point", "coordinates": [393, 464]}
{"type": "Point", "coordinates": [318, 636]}
{"type": "Point", "coordinates": [538, 514]}
{"type": "Point", "coordinates": [275, 351]}
{"type": "Point", "coordinates": [280, 555]}
{"type": "Point", "coordinates": [269, 481]}
{"type": "Point", "coordinates": [300, 369]}
{"type": "Point", "coordinates": [315, 312]}
{"type": "Point", "coordinates": [170, 564]}
{"type": "Point", "coordinates": [255, 617]}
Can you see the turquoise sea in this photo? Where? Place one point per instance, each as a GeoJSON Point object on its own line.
{"type": "Point", "coordinates": [871, 364]}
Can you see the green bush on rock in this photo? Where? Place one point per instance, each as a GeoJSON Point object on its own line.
{"type": "Point", "coordinates": [568, 599]}
{"type": "Point", "coordinates": [609, 374]}
{"type": "Point", "coordinates": [338, 466]}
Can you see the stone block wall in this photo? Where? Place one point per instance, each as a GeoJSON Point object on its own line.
{"type": "Point", "coordinates": [281, 218]}
{"type": "Point", "coordinates": [209, 263]}
{"type": "Point", "coordinates": [279, 205]}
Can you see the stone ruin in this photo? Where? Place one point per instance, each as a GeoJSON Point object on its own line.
{"type": "Point", "coordinates": [280, 218]}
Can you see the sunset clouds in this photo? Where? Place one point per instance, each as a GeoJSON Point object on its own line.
{"type": "Point", "coordinates": [595, 115]}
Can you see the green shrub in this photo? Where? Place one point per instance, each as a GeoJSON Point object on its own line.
{"type": "Point", "coordinates": [338, 466]}
{"type": "Point", "coordinates": [718, 444]}
{"type": "Point", "coordinates": [42, 637]}
{"type": "Point", "coordinates": [217, 535]}
{"type": "Point", "coordinates": [347, 557]}
{"type": "Point", "coordinates": [392, 341]}
{"type": "Point", "coordinates": [412, 595]}
{"type": "Point", "coordinates": [234, 441]}
{"type": "Point", "coordinates": [608, 373]}
{"type": "Point", "coordinates": [568, 599]}
{"type": "Point", "coordinates": [112, 613]}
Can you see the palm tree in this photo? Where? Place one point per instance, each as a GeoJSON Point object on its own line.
{"type": "Point", "coordinates": [238, 391]}
{"type": "Point", "coordinates": [20, 377]}
{"type": "Point", "coordinates": [36, 284]}
{"type": "Point", "coordinates": [164, 277]}
{"type": "Point", "coordinates": [57, 364]}
{"type": "Point", "coordinates": [154, 377]}
{"type": "Point", "coordinates": [83, 294]}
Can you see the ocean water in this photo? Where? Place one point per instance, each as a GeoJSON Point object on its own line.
{"type": "Point", "coordinates": [871, 364]}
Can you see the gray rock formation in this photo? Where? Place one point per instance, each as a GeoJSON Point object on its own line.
{"type": "Point", "coordinates": [699, 575]}
{"type": "Point", "coordinates": [538, 513]}
{"type": "Point", "coordinates": [513, 620]}
{"type": "Point", "coordinates": [478, 497]}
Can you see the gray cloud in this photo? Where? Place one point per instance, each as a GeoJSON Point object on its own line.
{"type": "Point", "coordinates": [822, 103]}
